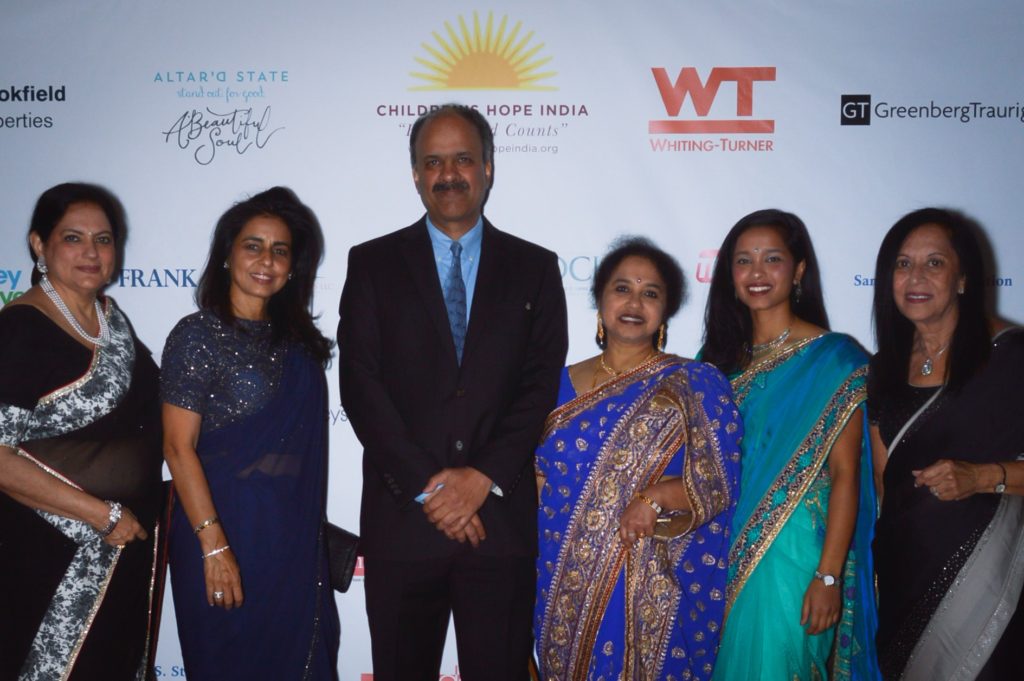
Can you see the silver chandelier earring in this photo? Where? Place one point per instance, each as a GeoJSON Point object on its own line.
{"type": "Point", "coordinates": [41, 265]}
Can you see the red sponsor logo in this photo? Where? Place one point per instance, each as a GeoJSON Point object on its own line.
{"type": "Point", "coordinates": [706, 264]}
{"type": "Point", "coordinates": [359, 571]}
{"type": "Point", "coordinates": [702, 96]}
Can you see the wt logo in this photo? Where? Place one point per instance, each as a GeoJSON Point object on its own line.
{"type": "Point", "coordinates": [855, 110]}
{"type": "Point", "coordinates": [703, 96]}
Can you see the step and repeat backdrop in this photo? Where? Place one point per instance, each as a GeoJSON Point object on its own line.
{"type": "Point", "coordinates": [663, 118]}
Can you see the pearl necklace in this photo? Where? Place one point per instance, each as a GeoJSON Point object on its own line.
{"type": "Point", "coordinates": [51, 293]}
{"type": "Point", "coordinates": [761, 348]}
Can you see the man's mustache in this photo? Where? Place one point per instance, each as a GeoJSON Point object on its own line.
{"type": "Point", "coordinates": [458, 185]}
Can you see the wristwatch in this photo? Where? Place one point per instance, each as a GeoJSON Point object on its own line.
{"type": "Point", "coordinates": [827, 580]}
{"type": "Point", "coordinates": [1001, 487]}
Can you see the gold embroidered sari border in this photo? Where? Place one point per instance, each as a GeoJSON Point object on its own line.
{"type": "Point", "coordinates": [844, 401]}
{"type": "Point", "coordinates": [575, 519]}
{"type": "Point", "coordinates": [741, 383]}
{"type": "Point", "coordinates": [578, 611]}
{"type": "Point", "coordinates": [588, 399]}
{"type": "Point", "coordinates": [153, 575]}
{"type": "Point", "coordinates": [584, 644]}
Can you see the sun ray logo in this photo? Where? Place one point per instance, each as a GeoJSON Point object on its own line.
{"type": "Point", "coordinates": [483, 58]}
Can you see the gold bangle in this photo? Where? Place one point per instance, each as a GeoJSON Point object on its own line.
{"type": "Point", "coordinates": [650, 502]}
{"type": "Point", "coordinates": [206, 523]}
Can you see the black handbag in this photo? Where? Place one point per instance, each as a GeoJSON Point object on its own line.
{"type": "Point", "coordinates": [342, 549]}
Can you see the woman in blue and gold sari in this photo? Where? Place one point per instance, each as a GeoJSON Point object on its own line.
{"type": "Point", "coordinates": [637, 476]}
{"type": "Point", "coordinates": [800, 601]}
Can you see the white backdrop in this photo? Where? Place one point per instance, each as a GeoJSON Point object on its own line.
{"type": "Point", "coordinates": [848, 113]}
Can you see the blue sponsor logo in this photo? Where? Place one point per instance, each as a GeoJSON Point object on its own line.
{"type": "Point", "coordinates": [181, 277]}
{"type": "Point", "coordinates": [222, 76]}
{"type": "Point", "coordinates": [217, 84]}
{"type": "Point", "coordinates": [9, 280]}
{"type": "Point", "coordinates": [578, 268]}
{"type": "Point", "coordinates": [990, 282]}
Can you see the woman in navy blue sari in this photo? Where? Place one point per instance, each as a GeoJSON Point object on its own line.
{"type": "Point", "coordinates": [245, 406]}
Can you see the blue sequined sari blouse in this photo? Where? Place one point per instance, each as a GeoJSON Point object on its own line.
{"type": "Point", "coordinates": [263, 448]}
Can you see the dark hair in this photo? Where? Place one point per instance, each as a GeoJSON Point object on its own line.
{"type": "Point", "coordinates": [54, 203]}
{"type": "Point", "coordinates": [728, 327]}
{"type": "Point", "coordinates": [466, 113]}
{"type": "Point", "coordinates": [290, 309]}
{"type": "Point", "coordinates": [668, 269]}
{"type": "Point", "coordinates": [894, 334]}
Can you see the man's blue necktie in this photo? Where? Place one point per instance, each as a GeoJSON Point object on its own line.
{"type": "Point", "coordinates": [455, 300]}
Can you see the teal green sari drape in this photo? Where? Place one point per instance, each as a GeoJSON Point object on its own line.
{"type": "Point", "coordinates": [794, 407]}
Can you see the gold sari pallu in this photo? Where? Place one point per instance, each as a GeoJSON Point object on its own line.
{"type": "Point", "coordinates": [638, 422]}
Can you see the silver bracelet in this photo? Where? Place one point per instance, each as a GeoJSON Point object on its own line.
{"type": "Point", "coordinates": [112, 519]}
{"type": "Point", "coordinates": [216, 551]}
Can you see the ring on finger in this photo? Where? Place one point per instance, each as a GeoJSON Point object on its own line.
{"type": "Point", "coordinates": [218, 595]}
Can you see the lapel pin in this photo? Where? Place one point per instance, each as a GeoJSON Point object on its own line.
{"type": "Point", "coordinates": [528, 306]}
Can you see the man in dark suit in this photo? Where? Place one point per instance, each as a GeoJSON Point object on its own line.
{"type": "Point", "coordinates": [451, 343]}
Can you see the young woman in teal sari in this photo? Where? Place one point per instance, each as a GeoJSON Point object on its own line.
{"type": "Point", "coordinates": [800, 602]}
{"type": "Point", "coordinates": [637, 475]}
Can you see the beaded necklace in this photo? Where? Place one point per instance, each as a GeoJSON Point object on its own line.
{"type": "Point", "coordinates": [104, 336]}
{"type": "Point", "coordinates": [762, 348]}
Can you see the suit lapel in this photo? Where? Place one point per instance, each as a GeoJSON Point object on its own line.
{"type": "Point", "coordinates": [419, 257]}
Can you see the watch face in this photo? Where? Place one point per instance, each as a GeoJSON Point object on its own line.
{"type": "Point", "coordinates": [828, 579]}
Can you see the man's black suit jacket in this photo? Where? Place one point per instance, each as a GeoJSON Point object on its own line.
{"type": "Point", "coordinates": [416, 411]}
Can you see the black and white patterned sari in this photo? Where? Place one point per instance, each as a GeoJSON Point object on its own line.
{"type": "Point", "coordinates": [72, 606]}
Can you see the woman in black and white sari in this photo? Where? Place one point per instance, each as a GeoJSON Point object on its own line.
{"type": "Point", "coordinates": [80, 457]}
{"type": "Point", "coordinates": [946, 406]}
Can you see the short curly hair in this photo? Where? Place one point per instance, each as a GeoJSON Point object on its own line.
{"type": "Point", "coordinates": [668, 269]}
